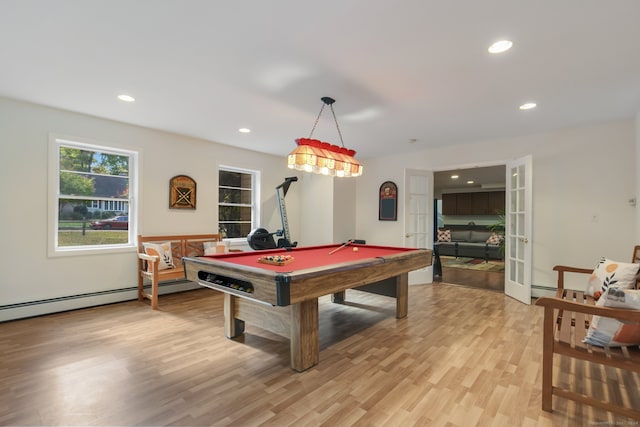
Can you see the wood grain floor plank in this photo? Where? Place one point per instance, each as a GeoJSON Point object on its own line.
{"type": "Point", "coordinates": [462, 357]}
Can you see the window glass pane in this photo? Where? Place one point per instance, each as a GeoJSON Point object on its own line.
{"type": "Point", "coordinates": [230, 195]}
{"type": "Point", "coordinates": [93, 206]}
{"type": "Point", "coordinates": [93, 173]}
{"type": "Point", "coordinates": [234, 179]}
{"type": "Point", "coordinates": [231, 230]}
{"type": "Point", "coordinates": [236, 203]}
{"type": "Point", "coordinates": [234, 213]}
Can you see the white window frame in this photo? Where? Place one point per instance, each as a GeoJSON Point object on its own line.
{"type": "Point", "coordinates": [255, 198]}
{"type": "Point", "coordinates": [57, 141]}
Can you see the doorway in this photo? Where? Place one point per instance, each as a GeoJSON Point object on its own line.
{"type": "Point", "coordinates": [469, 206]}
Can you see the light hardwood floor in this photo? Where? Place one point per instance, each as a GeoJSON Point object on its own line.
{"type": "Point", "coordinates": [463, 357]}
{"type": "Point", "coordinates": [490, 280]}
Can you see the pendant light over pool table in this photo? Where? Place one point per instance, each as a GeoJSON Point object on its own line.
{"type": "Point", "coordinates": [315, 156]}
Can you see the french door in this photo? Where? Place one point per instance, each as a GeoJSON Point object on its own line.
{"type": "Point", "coordinates": [518, 230]}
{"type": "Point", "coordinates": [418, 217]}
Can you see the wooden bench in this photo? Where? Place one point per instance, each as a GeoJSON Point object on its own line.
{"type": "Point", "coordinates": [148, 265]}
{"type": "Point", "coordinates": [567, 317]}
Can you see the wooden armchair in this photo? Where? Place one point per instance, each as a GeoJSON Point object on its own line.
{"type": "Point", "coordinates": [567, 317]}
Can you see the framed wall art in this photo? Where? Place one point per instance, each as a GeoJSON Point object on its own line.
{"type": "Point", "coordinates": [182, 192]}
{"type": "Point", "coordinates": [388, 202]}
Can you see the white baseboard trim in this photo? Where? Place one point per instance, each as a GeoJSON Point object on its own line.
{"type": "Point", "coordinates": [542, 291]}
{"type": "Point", "coordinates": [73, 302]}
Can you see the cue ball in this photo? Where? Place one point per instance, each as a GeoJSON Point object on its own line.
{"type": "Point", "coordinates": [355, 249]}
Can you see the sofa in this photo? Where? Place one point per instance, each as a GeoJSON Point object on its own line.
{"type": "Point", "coordinates": [470, 243]}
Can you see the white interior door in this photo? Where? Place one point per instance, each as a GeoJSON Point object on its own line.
{"type": "Point", "coordinates": [418, 217]}
{"type": "Point", "coordinates": [518, 230]}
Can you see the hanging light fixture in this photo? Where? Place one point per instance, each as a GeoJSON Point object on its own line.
{"type": "Point", "coordinates": [312, 155]}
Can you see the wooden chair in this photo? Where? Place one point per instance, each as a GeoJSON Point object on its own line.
{"type": "Point", "coordinates": [148, 265]}
{"type": "Point", "coordinates": [567, 317]}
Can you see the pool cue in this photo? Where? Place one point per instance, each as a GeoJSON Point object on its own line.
{"type": "Point", "coordinates": [337, 249]}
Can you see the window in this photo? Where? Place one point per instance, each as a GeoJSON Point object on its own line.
{"type": "Point", "coordinates": [90, 196]}
{"type": "Point", "coordinates": [237, 202]}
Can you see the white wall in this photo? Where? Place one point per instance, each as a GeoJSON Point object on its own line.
{"type": "Point", "coordinates": [326, 210]}
{"type": "Point", "coordinates": [344, 209]}
{"type": "Point", "coordinates": [315, 210]}
{"type": "Point", "coordinates": [377, 171]}
{"type": "Point", "coordinates": [30, 275]}
{"type": "Point", "coordinates": [637, 194]}
{"type": "Point", "coordinates": [577, 174]}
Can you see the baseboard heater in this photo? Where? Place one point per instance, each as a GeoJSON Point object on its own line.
{"type": "Point", "coordinates": [538, 291]}
{"type": "Point", "coordinates": [90, 299]}
{"type": "Point", "coordinates": [544, 288]}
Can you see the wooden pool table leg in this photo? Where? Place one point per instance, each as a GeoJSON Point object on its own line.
{"type": "Point", "coordinates": [338, 297]}
{"type": "Point", "coordinates": [304, 345]}
{"type": "Point", "coordinates": [402, 295]}
{"type": "Point", "coordinates": [232, 327]}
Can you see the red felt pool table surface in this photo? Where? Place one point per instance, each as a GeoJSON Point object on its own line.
{"type": "Point", "coordinates": [311, 256]}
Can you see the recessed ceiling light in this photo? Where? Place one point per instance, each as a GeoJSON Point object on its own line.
{"type": "Point", "coordinates": [470, 182]}
{"type": "Point", "coordinates": [500, 46]}
{"type": "Point", "coordinates": [126, 98]}
{"type": "Point", "coordinates": [454, 177]}
{"type": "Point", "coordinates": [244, 130]}
{"type": "Point", "coordinates": [528, 106]}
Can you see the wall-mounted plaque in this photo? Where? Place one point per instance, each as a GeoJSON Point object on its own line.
{"type": "Point", "coordinates": [388, 205]}
{"type": "Point", "coordinates": [182, 192]}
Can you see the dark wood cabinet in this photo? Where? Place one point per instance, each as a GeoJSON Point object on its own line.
{"type": "Point", "coordinates": [481, 203]}
{"type": "Point", "coordinates": [497, 202]}
{"type": "Point", "coordinates": [465, 204]}
{"type": "Point", "coordinates": [449, 204]}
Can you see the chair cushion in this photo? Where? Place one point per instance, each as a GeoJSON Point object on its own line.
{"type": "Point", "coordinates": [460, 235]}
{"type": "Point", "coordinates": [479, 236]}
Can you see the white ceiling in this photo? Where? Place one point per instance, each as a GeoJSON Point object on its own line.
{"type": "Point", "coordinates": [489, 178]}
{"type": "Point", "coordinates": [399, 70]}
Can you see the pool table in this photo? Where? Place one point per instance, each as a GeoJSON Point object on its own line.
{"type": "Point", "coordinates": [278, 289]}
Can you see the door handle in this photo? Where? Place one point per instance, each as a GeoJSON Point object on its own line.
{"type": "Point", "coordinates": [524, 240]}
{"type": "Point", "coordinates": [407, 235]}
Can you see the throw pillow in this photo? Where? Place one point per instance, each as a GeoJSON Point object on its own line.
{"type": "Point", "coordinates": [161, 250]}
{"type": "Point", "coordinates": [609, 272]}
{"type": "Point", "coordinates": [495, 239]}
{"type": "Point", "coordinates": [605, 331]}
{"type": "Point", "coordinates": [444, 235]}
{"type": "Point", "coordinates": [209, 247]}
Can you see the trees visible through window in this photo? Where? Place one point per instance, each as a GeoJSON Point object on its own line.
{"type": "Point", "coordinates": [237, 194]}
{"type": "Point", "coordinates": [93, 195]}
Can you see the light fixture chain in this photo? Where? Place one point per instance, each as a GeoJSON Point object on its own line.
{"type": "Point", "coordinates": [317, 120]}
{"type": "Point", "coordinates": [337, 126]}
